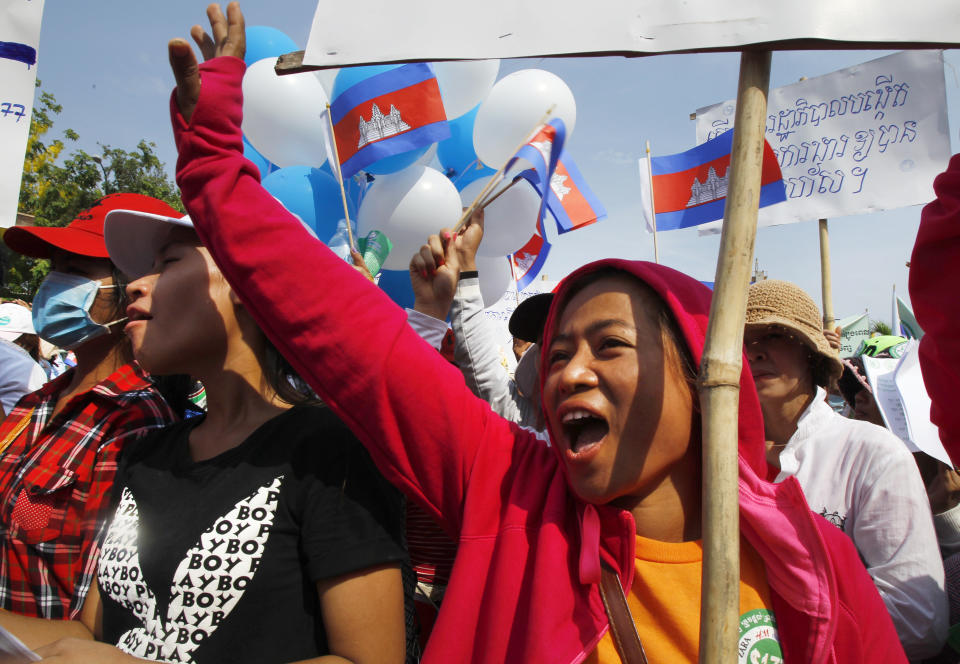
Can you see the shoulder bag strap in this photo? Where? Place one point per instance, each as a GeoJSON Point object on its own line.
{"type": "Point", "coordinates": [622, 627]}
{"type": "Point", "coordinates": [17, 430]}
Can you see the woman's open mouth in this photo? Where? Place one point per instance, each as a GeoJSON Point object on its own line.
{"type": "Point", "coordinates": [583, 431]}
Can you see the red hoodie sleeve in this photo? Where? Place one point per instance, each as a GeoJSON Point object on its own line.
{"type": "Point", "coordinates": [344, 336]}
{"type": "Point", "coordinates": [934, 275]}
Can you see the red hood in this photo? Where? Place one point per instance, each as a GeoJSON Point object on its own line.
{"type": "Point", "coordinates": [689, 301]}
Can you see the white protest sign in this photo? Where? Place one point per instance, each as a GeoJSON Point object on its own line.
{"type": "Point", "coordinates": [19, 37]}
{"type": "Point", "coordinates": [866, 138]}
{"type": "Point", "coordinates": [344, 33]}
{"type": "Point", "coordinates": [916, 405]}
{"type": "Point", "coordinates": [499, 314]}
{"type": "Point", "coordinates": [880, 375]}
{"type": "Point", "coordinates": [853, 331]}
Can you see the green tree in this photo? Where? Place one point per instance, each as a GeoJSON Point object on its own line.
{"type": "Point", "coordinates": [57, 186]}
{"type": "Point", "coordinates": [880, 328]}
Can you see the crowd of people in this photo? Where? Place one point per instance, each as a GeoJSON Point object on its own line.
{"type": "Point", "coordinates": [199, 462]}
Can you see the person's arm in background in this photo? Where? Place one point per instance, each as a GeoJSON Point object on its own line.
{"type": "Point", "coordinates": [934, 273]}
{"type": "Point", "coordinates": [894, 534]}
{"type": "Point", "coordinates": [475, 349]}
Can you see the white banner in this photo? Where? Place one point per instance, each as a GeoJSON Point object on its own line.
{"type": "Point", "coordinates": [853, 331]}
{"type": "Point", "coordinates": [345, 33]}
{"type": "Point", "coordinates": [19, 37]}
{"type": "Point", "coordinates": [903, 401]}
{"type": "Point", "coordinates": [499, 315]}
{"type": "Point", "coordinates": [867, 138]}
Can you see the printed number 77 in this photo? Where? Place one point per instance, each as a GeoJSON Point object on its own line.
{"type": "Point", "coordinates": [6, 108]}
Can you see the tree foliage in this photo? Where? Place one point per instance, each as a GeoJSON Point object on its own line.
{"type": "Point", "coordinates": [57, 186]}
{"type": "Point", "coordinates": [881, 328]}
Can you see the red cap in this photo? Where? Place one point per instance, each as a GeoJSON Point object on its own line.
{"type": "Point", "coordinates": [84, 235]}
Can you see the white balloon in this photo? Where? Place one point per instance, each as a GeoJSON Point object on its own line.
{"type": "Point", "coordinates": [281, 115]}
{"type": "Point", "coordinates": [509, 221]}
{"type": "Point", "coordinates": [495, 277]}
{"type": "Point", "coordinates": [464, 84]}
{"type": "Point", "coordinates": [408, 206]}
{"type": "Point", "coordinates": [326, 78]}
{"type": "Point", "coordinates": [512, 109]}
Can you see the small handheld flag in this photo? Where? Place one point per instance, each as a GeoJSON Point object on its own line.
{"type": "Point", "coordinates": [396, 111]}
{"type": "Point", "coordinates": [571, 202]}
{"type": "Point", "coordinates": [530, 258]}
{"type": "Point", "coordinates": [690, 188]}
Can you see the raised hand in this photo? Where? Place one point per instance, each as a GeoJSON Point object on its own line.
{"type": "Point", "coordinates": [434, 272]}
{"type": "Point", "coordinates": [468, 241]}
{"type": "Point", "coordinates": [229, 38]}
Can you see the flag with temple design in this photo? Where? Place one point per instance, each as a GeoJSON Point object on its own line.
{"type": "Point", "coordinates": [690, 188]}
{"type": "Point", "coordinates": [569, 199]}
{"type": "Point", "coordinates": [387, 114]}
{"type": "Point", "coordinates": [529, 259]}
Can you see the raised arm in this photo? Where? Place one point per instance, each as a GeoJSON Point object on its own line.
{"type": "Point", "coordinates": [407, 405]}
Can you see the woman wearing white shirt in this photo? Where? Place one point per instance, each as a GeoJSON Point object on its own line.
{"type": "Point", "coordinates": [857, 475]}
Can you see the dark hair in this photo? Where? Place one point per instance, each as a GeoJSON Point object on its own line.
{"type": "Point", "coordinates": [176, 390]}
{"type": "Point", "coordinates": [285, 381]}
{"type": "Point", "coordinates": [821, 371]}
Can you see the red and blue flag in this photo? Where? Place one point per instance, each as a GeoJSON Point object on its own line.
{"type": "Point", "coordinates": [392, 112]}
{"type": "Point", "coordinates": [690, 188]}
{"type": "Point", "coordinates": [530, 258]}
{"type": "Point", "coordinates": [569, 199]}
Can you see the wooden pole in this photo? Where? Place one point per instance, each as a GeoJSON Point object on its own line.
{"type": "Point", "coordinates": [826, 285]}
{"type": "Point", "coordinates": [343, 192]}
{"type": "Point", "coordinates": [719, 380]}
{"type": "Point", "coordinates": [653, 207]}
{"type": "Point", "coordinates": [497, 177]}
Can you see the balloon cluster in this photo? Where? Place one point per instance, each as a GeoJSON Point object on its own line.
{"type": "Point", "coordinates": [410, 195]}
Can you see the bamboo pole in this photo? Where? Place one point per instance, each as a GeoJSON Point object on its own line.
{"type": "Point", "coordinates": [826, 284]}
{"type": "Point", "coordinates": [719, 380]}
{"type": "Point", "coordinates": [653, 207]}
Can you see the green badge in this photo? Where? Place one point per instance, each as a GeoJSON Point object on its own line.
{"type": "Point", "coordinates": [759, 642]}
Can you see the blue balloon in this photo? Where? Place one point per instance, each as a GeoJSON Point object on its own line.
{"type": "Point", "coordinates": [262, 163]}
{"type": "Point", "coordinates": [456, 154]}
{"type": "Point", "coordinates": [266, 42]}
{"type": "Point", "coordinates": [346, 79]}
{"type": "Point", "coordinates": [312, 195]}
{"type": "Point", "coordinates": [396, 284]}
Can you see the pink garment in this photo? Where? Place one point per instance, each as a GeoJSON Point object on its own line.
{"type": "Point", "coordinates": [934, 274]}
{"type": "Point", "coordinates": [523, 587]}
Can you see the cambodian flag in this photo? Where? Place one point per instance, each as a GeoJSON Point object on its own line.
{"type": "Point", "coordinates": [690, 188]}
{"type": "Point", "coordinates": [529, 259]}
{"type": "Point", "coordinates": [572, 203]}
{"type": "Point", "coordinates": [396, 111]}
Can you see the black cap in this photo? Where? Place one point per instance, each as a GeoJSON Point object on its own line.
{"type": "Point", "coordinates": [530, 316]}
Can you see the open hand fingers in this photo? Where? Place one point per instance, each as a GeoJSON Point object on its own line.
{"type": "Point", "coordinates": [236, 38]}
{"type": "Point", "coordinates": [204, 42]}
{"type": "Point", "coordinates": [218, 24]}
{"type": "Point", "coordinates": [187, 75]}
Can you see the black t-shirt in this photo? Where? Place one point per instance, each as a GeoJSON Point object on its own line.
{"type": "Point", "coordinates": [217, 561]}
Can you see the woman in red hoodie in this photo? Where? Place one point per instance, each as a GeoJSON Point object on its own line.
{"type": "Point", "coordinates": [618, 484]}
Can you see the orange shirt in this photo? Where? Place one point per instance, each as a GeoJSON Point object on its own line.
{"type": "Point", "coordinates": [665, 603]}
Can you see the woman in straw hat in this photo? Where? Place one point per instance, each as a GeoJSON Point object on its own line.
{"type": "Point", "coordinates": [856, 474]}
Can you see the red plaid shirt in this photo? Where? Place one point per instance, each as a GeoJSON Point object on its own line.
{"type": "Point", "coordinates": [55, 480]}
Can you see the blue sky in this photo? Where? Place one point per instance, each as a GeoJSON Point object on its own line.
{"type": "Point", "coordinates": [106, 63]}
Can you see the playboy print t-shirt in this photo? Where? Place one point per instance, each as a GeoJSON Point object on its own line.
{"type": "Point", "coordinates": [218, 560]}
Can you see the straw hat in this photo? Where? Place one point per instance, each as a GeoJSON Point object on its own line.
{"type": "Point", "coordinates": [773, 302]}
